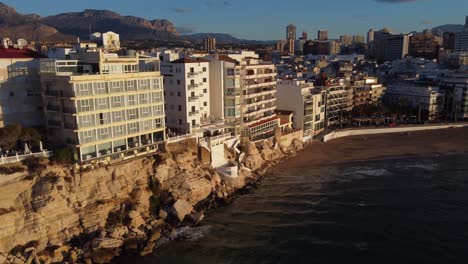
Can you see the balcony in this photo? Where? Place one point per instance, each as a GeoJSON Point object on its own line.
{"type": "Point", "coordinates": [192, 86]}
{"type": "Point", "coordinates": [192, 113]}
{"type": "Point", "coordinates": [193, 98]}
{"type": "Point", "coordinates": [192, 74]}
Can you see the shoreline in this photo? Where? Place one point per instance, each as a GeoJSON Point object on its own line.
{"type": "Point", "coordinates": [309, 156]}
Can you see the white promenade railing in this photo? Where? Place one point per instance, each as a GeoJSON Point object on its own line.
{"type": "Point", "coordinates": [18, 158]}
{"type": "Point", "coordinates": [180, 138]}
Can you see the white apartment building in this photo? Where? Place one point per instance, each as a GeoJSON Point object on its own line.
{"type": "Point", "coordinates": [20, 88]}
{"type": "Point", "coordinates": [104, 106]}
{"type": "Point", "coordinates": [306, 102]}
{"type": "Point", "coordinates": [430, 99]}
{"type": "Point", "coordinates": [187, 95]}
{"type": "Point", "coordinates": [367, 91]}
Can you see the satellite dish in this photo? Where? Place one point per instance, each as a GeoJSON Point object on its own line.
{"type": "Point", "coordinates": [22, 43]}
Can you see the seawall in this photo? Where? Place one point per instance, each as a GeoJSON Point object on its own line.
{"type": "Point", "coordinates": [372, 131]}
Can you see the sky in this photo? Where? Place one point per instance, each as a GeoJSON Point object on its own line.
{"type": "Point", "coordinates": [267, 19]}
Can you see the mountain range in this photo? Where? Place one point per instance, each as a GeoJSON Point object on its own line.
{"type": "Point", "coordinates": [68, 26]}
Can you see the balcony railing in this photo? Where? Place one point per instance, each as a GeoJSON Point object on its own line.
{"type": "Point", "coordinates": [192, 86]}
{"type": "Point", "coordinates": [193, 98]}
{"type": "Point", "coordinates": [192, 113]}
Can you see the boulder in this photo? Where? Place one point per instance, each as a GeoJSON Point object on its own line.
{"type": "Point", "coordinates": [107, 243]}
{"type": "Point", "coordinates": [181, 208]}
{"type": "Point", "coordinates": [136, 220]}
{"type": "Point", "coordinates": [118, 232]}
{"type": "Point", "coordinates": [162, 214]}
{"type": "Point", "coordinates": [196, 218]}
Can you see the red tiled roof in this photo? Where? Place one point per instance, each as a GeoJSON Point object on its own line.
{"type": "Point", "coordinates": [264, 121]}
{"type": "Point", "coordinates": [12, 53]}
{"type": "Point", "coordinates": [190, 60]}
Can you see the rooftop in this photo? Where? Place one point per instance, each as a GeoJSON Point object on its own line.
{"type": "Point", "coordinates": [190, 60]}
{"type": "Point", "coordinates": [12, 53]}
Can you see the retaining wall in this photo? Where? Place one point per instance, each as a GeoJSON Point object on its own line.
{"type": "Point", "coordinates": [371, 131]}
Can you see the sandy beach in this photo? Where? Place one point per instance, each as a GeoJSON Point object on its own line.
{"type": "Point", "coordinates": [358, 148]}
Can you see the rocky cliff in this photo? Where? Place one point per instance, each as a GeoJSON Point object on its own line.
{"type": "Point", "coordinates": [49, 213]}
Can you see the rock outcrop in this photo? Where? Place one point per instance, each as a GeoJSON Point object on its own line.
{"type": "Point", "coordinates": [93, 215]}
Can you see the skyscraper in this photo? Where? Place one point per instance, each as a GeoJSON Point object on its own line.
{"type": "Point", "coordinates": [322, 35]}
{"type": "Point", "coordinates": [291, 32]}
{"type": "Point", "coordinates": [304, 36]}
{"type": "Point", "coordinates": [370, 36]}
{"type": "Point", "coordinates": [466, 23]}
{"type": "Point", "coordinates": [346, 40]}
{"type": "Point", "coordinates": [209, 44]}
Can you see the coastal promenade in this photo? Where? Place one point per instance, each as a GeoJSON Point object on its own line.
{"type": "Point", "coordinates": [372, 131]}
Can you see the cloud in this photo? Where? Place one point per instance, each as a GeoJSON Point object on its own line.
{"type": "Point", "coordinates": [217, 3]}
{"type": "Point", "coordinates": [181, 10]}
{"type": "Point", "coordinates": [186, 29]}
{"type": "Point", "coordinates": [396, 1]}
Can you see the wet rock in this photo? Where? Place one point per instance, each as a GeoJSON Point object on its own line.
{"type": "Point", "coordinates": [196, 217]}
{"type": "Point", "coordinates": [181, 208]}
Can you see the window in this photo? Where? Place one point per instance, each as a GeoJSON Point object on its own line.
{"type": "Point", "coordinates": [192, 69]}
{"type": "Point", "coordinates": [204, 69]}
{"type": "Point", "coordinates": [205, 90]}
{"type": "Point", "coordinates": [132, 114]}
{"type": "Point", "coordinates": [102, 103]}
{"type": "Point", "coordinates": [103, 118]}
{"type": "Point", "coordinates": [171, 93]}
{"type": "Point", "coordinates": [86, 121]}
{"type": "Point", "coordinates": [145, 125]}
{"type": "Point", "coordinates": [193, 123]}
{"type": "Point", "coordinates": [117, 101]}
{"type": "Point", "coordinates": [157, 123]}
{"type": "Point", "coordinates": [155, 84]}
{"type": "Point", "coordinates": [157, 110]}
{"type": "Point", "coordinates": [12, 94]}
{"type": "Point", "coordinates": [87, 136]}
{"type": "Point", "coordinates": [156, 97]}
{"type": "Point", "coordinates": [172, 107]}
{"type": "Point", "coordinates": [103, 133]}
{"type": "Point", "coordinates": [144, 98]}
{"type": "Point", "coordinates": [178, 82]}
{"type": "Point", "coordinates": [84, 105]}
{"type": "Point", "coordinates": [180, 108]}
{"type": "Point", "coordinates": [118, 116]}
{"type": "Point", "coordinates": [180, 121]}
{"type": "Point", "coordinates": [143, 84]}
{"type": "Point", "coordinates": [130, 86]}
{"type": "Point", "coordinates": [100, 88]}
{"type": "Point", "coordinates": [116, 87]}
{"type": "Point", "coordinates": [131, 99]}
{"type": "Point", "coordinates": [205, 104]}
{"type": "Point", "coordinates": [204, 80]}
{"type": "Point", "coordinates": [145, 111]}
{"type": "Point", "coordinates": [119, 130]}
{"type": "Point", "coordinates": [133, 128]}
{"type": "Point", "coordinates": [178, 94]}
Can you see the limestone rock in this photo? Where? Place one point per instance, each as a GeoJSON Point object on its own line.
{"type": "Point", "coordinates": [136, 220]}
{"type": "Point", "coordinates": [107, 243]}
{"type": "Point", "coordinates": [181, 208]}
{"type": "Point", "coordinates": [118, 232]}
{"type": "Point", "coordinates": [196, 218]}
{"type": "Point", "coordinates": [162, 214]}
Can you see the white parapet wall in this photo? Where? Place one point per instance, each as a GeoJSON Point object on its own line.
{"type": "Point", "coordinates": [372, 131]}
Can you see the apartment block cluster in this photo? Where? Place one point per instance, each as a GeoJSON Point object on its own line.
{"type": "Point", "coordinates": [110, 103]}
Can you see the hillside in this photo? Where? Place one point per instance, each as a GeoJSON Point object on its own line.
{"type": "Point", "coordinates": [69, 25]}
